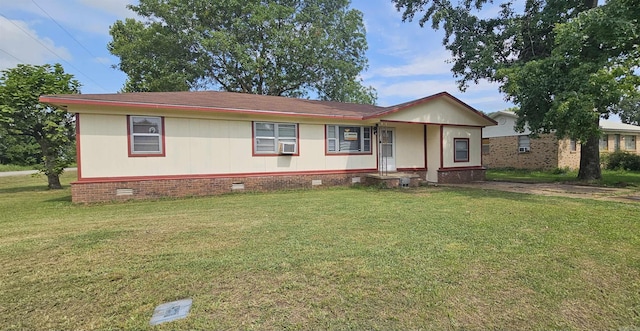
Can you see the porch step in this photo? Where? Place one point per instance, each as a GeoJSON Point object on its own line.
{"type": "Point", "coordinates": [393, 180]}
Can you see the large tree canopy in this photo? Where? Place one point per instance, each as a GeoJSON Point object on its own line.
{"type": "Point", "coordinates": [629, 110]}
{"type": "Point", "coordinates": [292, 48]}
{"type": "Point", "coordinates": [565, 63]}
{"type": "Point", "coordinates": [21, 114]}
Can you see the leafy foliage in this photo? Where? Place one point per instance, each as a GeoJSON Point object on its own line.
{"type": "Point", "coordinates": [24, 117]}
{"type": "Point", "coordinates": [564, 63]}
{"type": "Point", "coordinates": [629, 110]}
{"type": "Point", "coordinates": [18, 150]}
{"type": "Point", "coordinates": [287, 48]}
{"type": "Point", "coordinates": [621, 160]}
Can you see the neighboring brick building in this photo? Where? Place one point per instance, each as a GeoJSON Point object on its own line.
{"type": "Point", "coordinates": [503, 147]}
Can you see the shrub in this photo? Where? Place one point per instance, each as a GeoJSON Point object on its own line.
{"type": "Point", "coordinates": [620, 160]}
{"type": "Point", "coordinates": [560, 171]}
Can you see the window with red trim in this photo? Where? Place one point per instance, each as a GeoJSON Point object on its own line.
{"type": "Point", "coordinates": [461, 153]}
{"type": "Point", "coordinates": [275, 138]}
{"type": "Point", "coordinates": [146, 135]}
{"type": "Point", "coordinates": [348, 139]}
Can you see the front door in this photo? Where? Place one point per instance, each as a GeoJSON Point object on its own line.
{"type": "Point", "coordinates": [387, 149]}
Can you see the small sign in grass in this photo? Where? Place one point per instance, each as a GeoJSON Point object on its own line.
{"type": "Point", "coordinates": [171, 311]}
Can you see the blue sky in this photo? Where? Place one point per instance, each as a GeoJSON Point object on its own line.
{"type": "Point", "coordinates": [406, 62]}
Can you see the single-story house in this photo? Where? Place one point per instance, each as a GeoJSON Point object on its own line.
{"type": "Point", "coordinates": [157, 144]}
{"type": "Point", "coordinates": [504, 147]}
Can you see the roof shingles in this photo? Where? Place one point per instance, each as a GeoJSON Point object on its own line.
{"type": "Point", "coordinates": [220, 100]}
{"type": "Point", "coordinates": [216, 101]}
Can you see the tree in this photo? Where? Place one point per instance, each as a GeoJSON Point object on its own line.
{"type": "Point", "coordinates": [560, 61]}
{"type": "Point", "coordinates": [290, 48]}
{"type": "Point", "coordinates": [21, 114]}
{"type": "Point", "coordinates": [629, 111]}
{"type": "Point", "coordinates": [18, 150]}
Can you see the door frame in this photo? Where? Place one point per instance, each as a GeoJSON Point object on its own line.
{"type": "Point", "coordinates": [383, 163]}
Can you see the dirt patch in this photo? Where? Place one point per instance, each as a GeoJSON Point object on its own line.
{"type": "Point", "coordinates": [556, 189]}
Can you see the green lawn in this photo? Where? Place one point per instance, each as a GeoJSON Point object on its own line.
{"type": "Point", "coordinates": [613, 178]}
{"type": "Point", "coordinates": [342, 258]}
{"type": "Point", "coordinates": [13, 167]}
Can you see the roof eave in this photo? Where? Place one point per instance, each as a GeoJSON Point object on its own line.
{"type": "Point", "coordinates": [64, 102]}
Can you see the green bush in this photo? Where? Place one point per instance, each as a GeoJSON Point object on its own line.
{"type": "Point", "coordinates": [622, 161]}
{"type": "Point", "coordinates": [560, 171]}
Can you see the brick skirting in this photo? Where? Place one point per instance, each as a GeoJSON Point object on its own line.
{"type": "Point", "coordinates": [458, 176]}
{"type": "Point", "coordinates": [141, 189]}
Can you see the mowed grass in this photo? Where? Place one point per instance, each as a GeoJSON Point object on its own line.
{"type": "Point", "coordinates": [13, 167]}
{"type": "Point", "coordinates": [341, 258]}
{"type": "Point", "coordinates": [611, 178]}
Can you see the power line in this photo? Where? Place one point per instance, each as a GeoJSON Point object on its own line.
{"type": "Point", "coordinates": [13, 56]}
{"type": "Point", "coordinates": [69, 34]}
{"type": "Point", "coordinates": [53, 52]}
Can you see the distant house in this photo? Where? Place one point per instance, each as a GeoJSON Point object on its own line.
{"type": "Point", "coordinates": [146, 145]}
{"type": "Point", "coordinates": [503, 147]}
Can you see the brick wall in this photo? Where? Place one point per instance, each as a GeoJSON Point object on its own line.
{"type": "Point", "coordinates": [158, 188]}
{"type": "Point", "coordinates": [566, 157]}
{"type": "Point", "coordinates": [458, 176]}
{"type": "Point", "coordinates": [503, 153]}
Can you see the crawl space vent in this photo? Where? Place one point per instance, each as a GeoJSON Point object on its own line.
{"type": "Point", "coordinates": [124, 191]}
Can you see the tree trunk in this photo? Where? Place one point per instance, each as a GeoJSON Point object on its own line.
{"type": "Point", "coordinates": [591, 3]}
{"type": "Point", "coordinates": [48, 157]}
{"type": "Point", "coordinates": [54, 181]}
{"type": "Point", "coordinates": [590, 159]}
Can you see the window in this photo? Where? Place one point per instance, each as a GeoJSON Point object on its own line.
{"type": "Point", "coordinates": [524, 144]}
{"type": "Point", "coordinates": [604, 142]}
{"type": "Point", "coordinates": [630, 143]}
{"type": "Point", "coordinates": [486, 146]}
{"type": "Point", "coordinates": [461, 150]}
{"type": "Point", "coordinates": [573, 145]}
{"type": "Point", "coordinates": [269, 136]}
{"type": "Point", "coordinates": [348, 139]}
{"type": "Point", "coordinates": [616, 142]}
{"type": "Point", "coordinates": [146, 136]}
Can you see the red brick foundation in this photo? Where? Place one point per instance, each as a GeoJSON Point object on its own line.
{"type": "Point", "coordinates": [458, 176]}
{"type": "Point", "coordinates": [141, 189]}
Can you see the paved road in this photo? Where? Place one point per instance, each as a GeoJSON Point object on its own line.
{"type": "Point", "coordinates": [26, 172]}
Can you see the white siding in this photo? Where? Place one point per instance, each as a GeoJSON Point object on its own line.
{"type": "Point", "coordinates": [409, 146]}
{"type": "Point", "coordinates": [475, 146]}
{"type": "Point", "coordinates": [433, 152]}
{"type": "Point", "coordinates": [201, 147]}
{"type": "Point", "coordinates": [506, 127]}
{"type": "Point", "coordinates": [439, 111]}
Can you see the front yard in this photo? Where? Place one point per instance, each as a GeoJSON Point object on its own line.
{"type": "Point", "coordinates": [358, 258]}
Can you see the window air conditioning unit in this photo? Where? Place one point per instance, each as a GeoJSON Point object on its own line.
{"type": "Point", "coordinates": [523, 149]}
{"type": "Point", "coordinates": [287, 148]}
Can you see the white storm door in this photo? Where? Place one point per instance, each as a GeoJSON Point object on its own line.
{"type": "Point", "coordinates": [387, 150]}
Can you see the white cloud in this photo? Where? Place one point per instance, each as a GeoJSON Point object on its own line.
{"type": "Point", "coordinates": [117, 8]}
{"type": "Point", "coordinates": [429, 64]}
{"type": "Point", "coordinates": [417, 89]}
{"type": "Point", "coordinates": [23, 45]}
{"type": "Point", "coordinates": [83, 16]}
{"type": "Point", "coordinates": [484, 95]}
{"type": "Point", "coordinates": [104, 60]}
